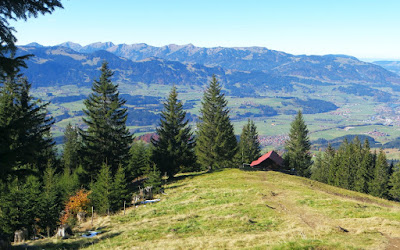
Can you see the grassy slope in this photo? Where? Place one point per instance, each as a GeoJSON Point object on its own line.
{"type": "Point", "coordinates": [243, 209]}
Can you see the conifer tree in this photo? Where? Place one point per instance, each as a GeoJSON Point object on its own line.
{"type": "Point", "coordinates": [18, 10]}
{"type": "Point", "coordinates": [331, 164]}
{"type": "Point", "coordinates": [24, 129]}
{"type": "Point", "coordinates": [119, 191]}
{"type": "Point", "coordinates": [154, 178]}
{"type": "Point", "coordinates": [216, 141]}
{"type": "Point", "coordinates": [50, 203]}
{"type": "Point", "coordinates": [106, 140]}
{"type": "Point", "coordinates": [343, 171]}
{"type": "Point", "coordinates": [363, 174]}
{"type": "Point", "coordinates": [19, 204]}
{"type": "Point", "coordinates": [249, 146]}
{"type": "Point", "coordinates": [379, 183]}
{"type": "Point", "coordinates": [101, 190]}
{"type": "Point", "coordinates": [174, 147]}
{"type": "Point", "coordinates": [395, 184]}
{"type": "Point", "coordinates": [71, 147]}
{"type": "Point", "coordinates": [69, 182]}
{"type": "Point", "coordinates": [140, 160]}
{"type": "Point", "coordinates": [298, 147]}
{"type": "Point", "coordinates": [319, 170]}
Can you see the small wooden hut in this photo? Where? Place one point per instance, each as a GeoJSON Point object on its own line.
{"type": "Point", "coordinates": [269, 161]}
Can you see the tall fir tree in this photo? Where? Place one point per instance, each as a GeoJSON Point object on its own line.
{"type": "Point", "coordinates": [249, 146]}
{"type": "Point", "coordinates": [379, 183]}
{"type": "Point", "coordinates": [174, 147]}
{"type": "Point", "coordinates": [298, 147]}
{"type": "Point", "coordinates": [106, 140]}
{"type": "Point", "coordinates": [216, 141]}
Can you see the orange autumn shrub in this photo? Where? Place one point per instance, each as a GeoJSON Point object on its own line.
{"type": "Point", "coordinates": [76, 203]}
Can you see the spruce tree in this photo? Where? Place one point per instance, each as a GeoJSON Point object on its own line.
{"type": "Point", "coordinates": [19, 204]}
{"type": "Point", "coordinates": [71, 147]}
{"type": "Point", "coordinates": [343, 171]}
{"type": "Point", "coordinates": [101, 190]}
{"type": "Point", "coordinates": [174, 147]}
{"type": "Point", "coordinates": [363, 174]}
{"type": "Point", "coordinates": [18, 10]}
{"type": "Point", "coordinates": [106, 140]}
{"type": "Point", "coordinates": [216, 141]}
{"type": "Point", "coordinates": [249, 146]}
{"type": "Point", "coordinates": [50, 202]}
{"type": "Point", "coordinates": [395, 184]}
{"type": "Point", "coordinates": [298, 147]}
{"type": "Point", "coordinates": [379, 183]}
{"type": "Point", "coordinates": [154, 178]}
{"type": "Point", "coordinates": [331, 164]}
{"type": "Point", "coordinates": [69, 182]}
{"type": "Point", "coordinates": [119, 190]}
{"type": "Point", "coordinates": [319, 170]}
{"type": "Point", "coordinates": [24, 128]}
{"type": "Point", "coordinates": [140, 160]}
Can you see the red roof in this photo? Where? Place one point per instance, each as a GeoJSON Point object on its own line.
{"type": "Point", "coordinates": [270, 155]}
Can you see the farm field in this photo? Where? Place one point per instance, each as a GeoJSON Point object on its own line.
{"type": "Point", "coordinates": [238, 209]}
{"type": "Point", "coordinates": [355, 114]}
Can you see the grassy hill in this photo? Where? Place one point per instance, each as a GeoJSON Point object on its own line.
{"type": "Point", "coordinates": [247, 209]}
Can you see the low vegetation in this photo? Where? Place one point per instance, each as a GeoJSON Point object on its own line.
{"type": "Point", "coordinates": [246, 209]}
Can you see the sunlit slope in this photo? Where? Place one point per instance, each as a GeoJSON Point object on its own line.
{"type": "Point", "coordinates": [250, 209]}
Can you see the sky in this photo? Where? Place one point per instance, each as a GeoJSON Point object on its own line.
{"type": "Point", "coordinates": [366, 29]}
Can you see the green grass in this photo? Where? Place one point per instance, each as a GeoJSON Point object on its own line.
{"type": "Point", "coordinates": [246, 209]}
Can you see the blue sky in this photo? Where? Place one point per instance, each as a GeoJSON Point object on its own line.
{"type": "Point", "coordinates": [362, 28]}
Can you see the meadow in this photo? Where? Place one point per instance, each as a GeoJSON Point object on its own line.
{"type": "Point", "coordinates": [239, 209]}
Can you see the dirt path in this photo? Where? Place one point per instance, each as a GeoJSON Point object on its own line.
{"type": "Point", "coordinates": [393, 243]}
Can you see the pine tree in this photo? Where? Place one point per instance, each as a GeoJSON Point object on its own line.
{"type": "Point", "coordinates": [119, 190]}
{"type": "Point", "coordinates": [101, 190]}
{"type": "Point", "coordinates": [107, 140]}
{"type": "Point", "coordinates": [379, 183]}
{"type": "Point", "coordinates": [395, 184]}
{"type": "Point", "coordinates": [216, 141]}
{"type": "Point", "coordinates": [298, 147]}
{"type": "Point", "coordinates": [72, 145]}
{"type": "Point", "coordinates": [174, 147]}
{"type": "Point", "coordinates": [249, 146]}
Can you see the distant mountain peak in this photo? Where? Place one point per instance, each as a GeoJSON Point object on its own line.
{"type": "Point", "coordinates": [34, 44]}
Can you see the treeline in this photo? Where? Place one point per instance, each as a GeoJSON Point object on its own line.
{"type": "Point", "coordinates": [354, 167]}
{"type": "Point", "coordinates": [40, 191]}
